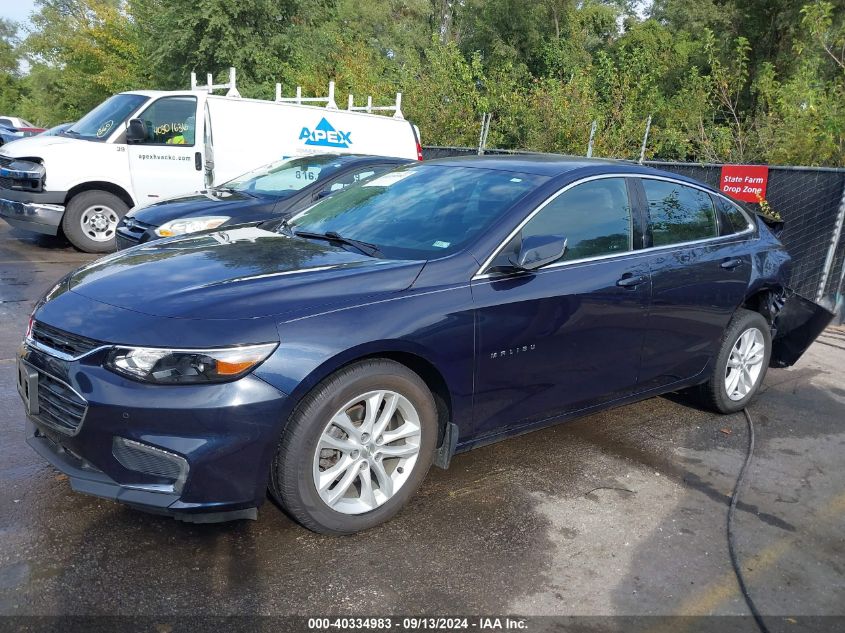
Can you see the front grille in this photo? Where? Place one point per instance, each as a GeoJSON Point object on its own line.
{"type": "Point", "coordinates": [6, 183]}
{"type": "Point", "coordinates": [59, 406]}
{"type": "Point", "coordinates": [129, 235]}
{"type": "Point", "coordinates": [71, 344]}
{"type": "Point", "coordinates": [137, 229]}
{"type": "Point", "coordinates": [132, 231]}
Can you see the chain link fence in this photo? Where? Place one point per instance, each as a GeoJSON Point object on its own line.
{"type": "Point", "coordinates": [811, 202]}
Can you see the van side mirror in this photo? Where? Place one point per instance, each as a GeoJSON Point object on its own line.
{"type": "Point", "coordinates": [135, 131]}
{"type": "Point", "coordinates": [537, 251]}
{"type": "Point", "coordinates": [322, 194]}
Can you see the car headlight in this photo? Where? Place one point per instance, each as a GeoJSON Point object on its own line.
{"type": "Point", "coordinates": [190, 225]}
{"type": "Point", "coordinates": [182, 366]}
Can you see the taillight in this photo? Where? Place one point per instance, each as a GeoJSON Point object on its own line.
{"type": "Point", "coordinates": [419, 152]}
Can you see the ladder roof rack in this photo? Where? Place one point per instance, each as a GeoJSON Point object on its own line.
{"type": "Point", "coordinates": [231, 86]}
{"type": "Point", "coordinates": [232, 91]}
{"type": "Point", "coordinates": [396, 109]}
{"type": "Point", "coordinates": [299, 99]}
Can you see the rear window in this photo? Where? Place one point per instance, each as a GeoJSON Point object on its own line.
{"type": "Point", "coordinates": [678, 213]}
{"type": "Point", "coordinates": [285, 177]}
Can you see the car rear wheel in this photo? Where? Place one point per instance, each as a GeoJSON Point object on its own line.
{"type": "Point", "coordinates": [356, 448]}
{"type": "Point", "coordinates": [90, 220]}
{"type": "Point", "coordinates": [741, 363]}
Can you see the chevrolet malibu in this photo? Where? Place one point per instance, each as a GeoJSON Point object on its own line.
{"type": "Point", "coordinates": [334, 357]}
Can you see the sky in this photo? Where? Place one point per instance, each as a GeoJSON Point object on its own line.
{"type": "Point", "coordinates": [17, 10]}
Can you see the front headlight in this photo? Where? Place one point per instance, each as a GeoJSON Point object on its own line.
{"type": "Point", "coordinates": [181, 366]}
{"type": "Point", "coordinates": [190, 225]}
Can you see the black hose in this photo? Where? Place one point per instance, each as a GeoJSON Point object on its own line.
{"type": "Point", "coordinates": [731, 545]}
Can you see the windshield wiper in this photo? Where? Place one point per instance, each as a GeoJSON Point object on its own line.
{"type": "Point", "coordinates": [333, 236]}
{"type": "Point", "coordinates": [68, 131]}
{"type": "Point", "coordinates": [233, 190]}
{"type": "Point", "coordinates": [285, 227]}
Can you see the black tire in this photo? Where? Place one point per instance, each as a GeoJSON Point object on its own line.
{"type": "Point", "coordinates": [72, 219]}
{"type": "Point", "coordinates": [292, 476]}
{"type": "Point", "coordinates": [714, 392]}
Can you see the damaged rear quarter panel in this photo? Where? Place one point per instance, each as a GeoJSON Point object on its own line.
{"type": "Point", "coordinates": [796, 326]}
{"type": "Point", "coordinates": [796, 321]}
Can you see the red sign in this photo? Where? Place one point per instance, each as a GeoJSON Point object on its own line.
{"type": "Point", "coordinates": [745, 182]}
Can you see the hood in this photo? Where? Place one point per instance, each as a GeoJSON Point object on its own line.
{"type": "Point", "coordinates": [33, 145]}
{"type": "Point", "coordinates": [240, 206]}
{"type": "Point", "coordinates": [239, 274]}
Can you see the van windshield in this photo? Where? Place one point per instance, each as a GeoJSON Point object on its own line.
{"type": "Point", "coordinates": [98, 124]}
{"type": "Point", "coordinates": [285, 177]}
{"type": "Point", "coordinates": [418, 212]}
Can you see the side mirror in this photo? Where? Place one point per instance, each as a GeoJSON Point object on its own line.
{"type": "Point", "coordinates": [322, 194]}
{"type": "Point", "coordinates": [537, 251]}
{"type": "Point", "coordinates": [135, 131]}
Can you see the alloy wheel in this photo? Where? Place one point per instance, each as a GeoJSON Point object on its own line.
{"type": "Point", "coordinates": [745, 364]}
{"type": "Point", "coordinates": [367, 451]}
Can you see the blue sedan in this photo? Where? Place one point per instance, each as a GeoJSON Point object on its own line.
{"type": "Point", "coordinates": [332, 358]}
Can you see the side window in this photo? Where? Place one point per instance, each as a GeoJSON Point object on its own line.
{"type": "Point", "coordinates": [678, 213]}
{"type": "Point", "coordinates": [734, 219]}
{"type": "Point", "coordinates": [6, 122]}
{"type": "Point", "coordinates": [594, 217]}
{"type": "Point", "coordinates": [171, 121]}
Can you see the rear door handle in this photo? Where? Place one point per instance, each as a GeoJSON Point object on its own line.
{"type": "Point", "coordinates": [198, 161]}
{"type": "Point", "coordinates": [730, 264]}
{"type": "Point", "coordinates": [631, 281]}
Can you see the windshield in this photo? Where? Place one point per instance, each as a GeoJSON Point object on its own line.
{"type": "Point", "coordinates": [286, 177]}
{"type": "Point", "coordinates": [102, 120]}
{"type": "Point", "coordinates": [419, 212]}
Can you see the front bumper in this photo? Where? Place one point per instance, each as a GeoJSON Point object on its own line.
{"type": "Point", "coordinates": [40, 212]}
{"type": "Point", "coordinates": [224, 433]}
{"type": "Point", "coordinates": [87, 479]}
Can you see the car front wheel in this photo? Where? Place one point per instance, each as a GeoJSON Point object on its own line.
{"type": "Point", "coordinates": [356, 448]}
{"type": "Point", "coordinates": [741, 363]}
{"type": "Point", "coordinates": [90, 220]}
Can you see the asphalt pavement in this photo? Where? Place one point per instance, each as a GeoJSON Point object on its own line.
{"type": "Point", "coordinates": [618, 513]}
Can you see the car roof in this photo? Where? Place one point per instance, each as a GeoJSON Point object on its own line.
{"type": "Point", "coordinates": [348, 159]}
{"type": "Point", "coordinates": [554, 165]}
{"type": "Point", "coordinates": [539, 164]}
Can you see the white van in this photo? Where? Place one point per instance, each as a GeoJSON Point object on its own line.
{"type": "Point", "coordinates": [141, 146]}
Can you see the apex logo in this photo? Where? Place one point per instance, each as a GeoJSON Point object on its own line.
{"type": "Point", "coordinates": [324, 135]}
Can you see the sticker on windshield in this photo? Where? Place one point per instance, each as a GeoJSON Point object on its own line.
{"type": "Point", "coordinates": [439, 244]}
{"type": "Point", "coordinates": [388, 179]}
{"type": "Point", "coordinates": [104, 128]}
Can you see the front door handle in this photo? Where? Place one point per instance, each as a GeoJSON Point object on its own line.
{"type": "Point", "coordinates": [629, 280]}
{"type": "Point", "coordinates": [198, 161]}
{"type": "Point", "coordinates": [731, 263]}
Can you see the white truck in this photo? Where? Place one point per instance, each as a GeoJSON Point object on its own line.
{"type": "Point", "coordinates": [141, 146]}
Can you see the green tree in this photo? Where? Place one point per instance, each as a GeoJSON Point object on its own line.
{"type": "Point", "coordinates": [10, 77]}
{"type": "Point", "coordinates": [444, 95]}
{"type": "Point", "coordinates": [81, 51]}
{"type": "Point", "coordinates": [212, 35]}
